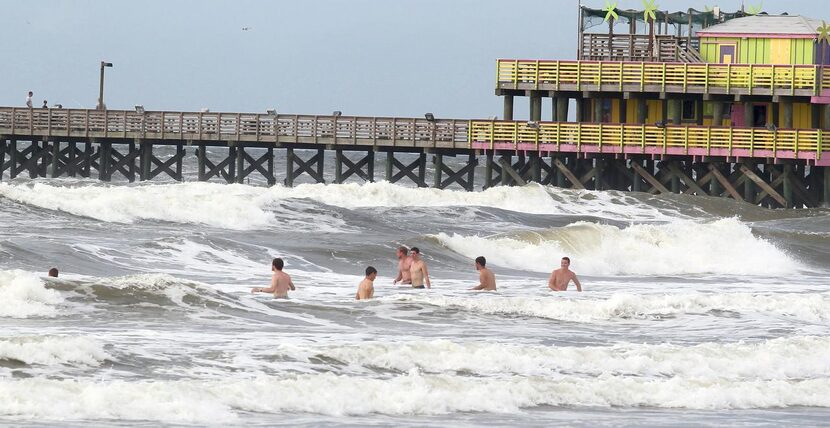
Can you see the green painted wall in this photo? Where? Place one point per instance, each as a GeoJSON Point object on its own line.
{"type": "Point", "coordinates": [756, 51]}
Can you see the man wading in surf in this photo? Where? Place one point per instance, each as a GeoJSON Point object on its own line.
{"type": "Point", "coordinates": [560, 278]}
{"type": "Point", "coordinates": [404, 263]}
{"type": "Point", "coordinates": [418, 271]}
{"type": "Point", "coordinates": [280, 281]}
{"type": "Point", "coordinates": [486, 278]}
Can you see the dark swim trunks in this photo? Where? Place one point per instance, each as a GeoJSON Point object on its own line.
{"type": "Point", "coordinates": [418, 286]}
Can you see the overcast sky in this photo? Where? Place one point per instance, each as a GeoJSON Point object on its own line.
{"type": "Point", "coordinates": [363, 57]}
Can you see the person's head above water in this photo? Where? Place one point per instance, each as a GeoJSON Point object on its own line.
{"type": "Point", "coordinates": [565, 262]}
{"type": "Point", "coordinates": [481, 261]}
{"type": "Point", "coordinates": [277, 263]}
{"type": "Point", "coordinates": [371, 273]}
{"type": "Point", "coordinates": [53, 272]}
{"type": "Point", "coordinates": [402, 251]}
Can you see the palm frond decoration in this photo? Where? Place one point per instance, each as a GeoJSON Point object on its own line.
{"type": "Point", "coordinates": [610, 8]}
{"type": "Point", "coordinates": [754, 10]}
{"type": "Point", "coordinates": [649, 7]}
{"type": "Point", "coordinates": [823, 32]}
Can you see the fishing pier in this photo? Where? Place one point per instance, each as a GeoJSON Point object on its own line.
{"type": "Point", "coordinates": [706, 110]}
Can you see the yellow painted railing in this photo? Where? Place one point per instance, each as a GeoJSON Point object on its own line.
{"type": "Point", "coordinates": [656, 76]}
{"type": "Point", "coordinates": [642, 136]}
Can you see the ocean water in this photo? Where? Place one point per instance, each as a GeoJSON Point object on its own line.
{"type": "Point", "coordinates": [696, 311]}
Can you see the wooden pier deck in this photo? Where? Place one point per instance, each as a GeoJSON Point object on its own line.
{"type": "Point", "coordinates": [776, 168]}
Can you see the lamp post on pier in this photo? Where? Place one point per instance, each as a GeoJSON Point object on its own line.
{"type": "Point", "coordinates": [101, 105]}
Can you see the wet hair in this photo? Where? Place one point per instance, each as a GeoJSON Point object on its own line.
{"type": "Point", "coordinates": [416, 250]}
{"type": "Point", "coordinates": [404, 250]}
{"type": "Point", "coordinates": [567, 258]}
{"type": "Point", "coordinates": [481, 261]}
{"type": "Point", "coordinates": [278, 263]}
{"type": "Point", "coordinates": [370, 270]}
{"type": "Point", "coordinates": [53, 272]}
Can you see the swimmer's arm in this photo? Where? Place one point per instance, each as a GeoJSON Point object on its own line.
{"type": "Point", "coordinates": [398, 278]}
{"type": "Point", "coordinates": [551, 281]}
{"type": "Point", "coordinates": [426, 275]}
{"type": "Point", "coordinates": [357, 295]}
{"type": "Point", "coordinates": [291, 284]}
{"type": "Point", "coordinates": [480, 285]}
{"type": "Point", "coordinates": [271, 289]}
{"type": "Point", "coordinates": [578, 285]}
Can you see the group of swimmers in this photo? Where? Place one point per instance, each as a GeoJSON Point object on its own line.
{"type": "Point", "coordinates": [413, 271]}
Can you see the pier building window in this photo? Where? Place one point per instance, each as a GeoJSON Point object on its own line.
{"type": "Point", "coordinates": [689, 112]}
{"type": "Point", "coordinates": [759, 115]}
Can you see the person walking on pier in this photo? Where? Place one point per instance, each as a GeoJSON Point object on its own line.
{"type": "Point", "coordinates": [418, 271]}
{"type": "Point", "coordinates": [280, 281]}
{"type": "Point", "coordinates": [366, 288]}
{"type": "Point", "coordinates": [29, 99]}
{"type": "Point", "coordinates": [486, 277]}
{"type": "Point", "coordinates": [560, 278]}
{"type": "Point", "coordinates": [404, 263]}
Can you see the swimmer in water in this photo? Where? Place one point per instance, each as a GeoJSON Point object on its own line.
{"type": "Point", "coordinates": [404, 263]}
{"type": "Point", "coordinates": [486, 277]}
{"type": "Point", "coordinates": [280, 281]}
{"type": "Point", "coordinates": [366, 288]}
{"type": "Point", "coordinates": [418, 271]}
{"type": "Point", "coordinates": [560, 278]}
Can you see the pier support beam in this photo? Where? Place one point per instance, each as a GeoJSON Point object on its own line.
{"type": "Point", "coordinates": [675, 108]}
{"type": "Point", "coordinates": [247, 164]}
{"type": "Point", "coordinates": [313, 166]}
{"type": "Point", "coordinates": [561, 111]}
{"type": "Point", "coordinates": [508, 107]}
{"type": "Point", "coordinates": [749, 118]}
{"type": "Point", "coordinates": [415, 171]}
{"type": "Point", "coordinates": [226, 168]}
{"type": "Point", "coordinates": [717, 113]}
{"type": "Point", "coordinates": [354, 168]}
{"type": "Point", "coordinates": [535, 106]}
{"type": "Point", "coordinates": [787, 110]}
{"type": "Point", "coordinates": [111, 161]}
{"type": "Point", "coordinates": [826, 186]}
{"type": "Point", "coordinates": [152, 166]}
{"type": "Point", "coordinates": [463, 176]}
{"type": "Point", "coordinates": [642, 110]}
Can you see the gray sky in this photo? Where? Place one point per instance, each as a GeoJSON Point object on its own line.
{"type": "Point", "coordinates": [363, 57]}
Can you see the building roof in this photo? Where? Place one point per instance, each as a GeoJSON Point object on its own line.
{"type": "Point", "coordinates": [789, 26]}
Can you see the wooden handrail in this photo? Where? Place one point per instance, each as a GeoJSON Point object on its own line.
{"type": "Point", "coordinates": [691, 77]}
{"type": "Point", "coordinates": [244, 127]}
{"type": "Point", "coordinates": [780, 141]}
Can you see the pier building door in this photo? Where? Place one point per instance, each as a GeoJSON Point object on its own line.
{"type": "Point", "coordinates": [780, 51]}
{"type": "Point", "coordinates": [726, 53]}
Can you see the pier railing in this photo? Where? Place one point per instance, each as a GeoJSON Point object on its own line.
{"type": "Point", "coordinates": [618, 76]}
{"type": "Point", "coordinates": [651, 139]}
{"type": "Point", "coordinates": [241, 127]}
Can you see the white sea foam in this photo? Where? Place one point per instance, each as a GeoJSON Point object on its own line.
{"type": "Point", "coordinates": [801, 357]}
{"type": "Point", "coordinates": [811, 307]}
{"type": "Point", "coordinates": [725, 246]}
{"type": "Point", "coordinates": [23, 295]}
{"type": "Point", "coordinates": [237, 206]}
{"type": "Point", "coordinates": [51, 350]}
{"type": "Point", "coordinates": [413, 393]}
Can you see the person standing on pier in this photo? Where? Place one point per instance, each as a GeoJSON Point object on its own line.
{"type": "Point", "coordinates": [486, 277]}
{"type": "Point", "coordinates": [45, 104]}
{"type": "Point", "coordinates": [560, 278]}
{"type": "Point", "coordinates": [418, 270]}
{"type": "Point", "coordinates": [29, 99]}
{"type": "Point", "coordinates": [404, 263]}
{"type": "Point", "coordinates": [366, 288]}
{"type": "Point", "coordinates": [280, 281]}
